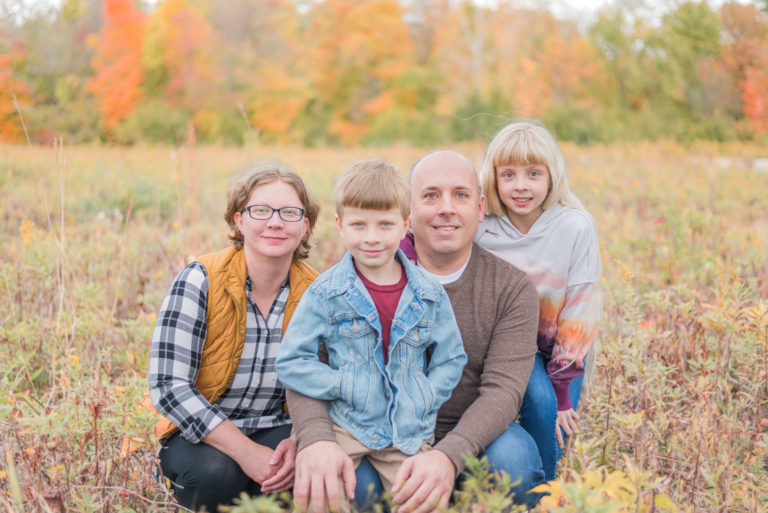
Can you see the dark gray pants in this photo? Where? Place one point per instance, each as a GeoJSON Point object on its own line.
{"type": "Point", "coordinates": [204, 476]}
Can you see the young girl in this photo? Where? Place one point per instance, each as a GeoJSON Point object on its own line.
{"type": "Point", "coordinates": [536, 223]}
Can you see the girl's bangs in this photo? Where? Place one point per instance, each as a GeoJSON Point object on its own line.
{"type": "Point", "coordinates": [521, 148]}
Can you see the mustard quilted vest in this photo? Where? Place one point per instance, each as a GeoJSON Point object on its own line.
{"type": "Point", "coordinates": [225, 321]}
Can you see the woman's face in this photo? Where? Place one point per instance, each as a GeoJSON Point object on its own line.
{"type": "Point", "coordinates": [273, 237]}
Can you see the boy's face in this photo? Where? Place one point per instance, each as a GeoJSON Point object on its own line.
{"type": "Point", "coordinates": [373, 237]}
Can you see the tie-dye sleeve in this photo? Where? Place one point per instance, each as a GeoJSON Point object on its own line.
{"type": "Point", "coordinates": [577, 321]}
{"type": "Point", "coordinates": [576, 329]}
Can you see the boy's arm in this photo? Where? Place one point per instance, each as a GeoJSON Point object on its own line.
{"type": "Point", "coordinates": [298, 366]}
{"type": "Point", "coordinates": [448, 356]}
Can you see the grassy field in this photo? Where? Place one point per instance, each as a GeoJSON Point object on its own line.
{"type": "Point", "coordinates": [91, 237]}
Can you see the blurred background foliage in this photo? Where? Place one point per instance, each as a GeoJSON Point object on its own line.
{"type": "Point", "coordinates": [373, 72]}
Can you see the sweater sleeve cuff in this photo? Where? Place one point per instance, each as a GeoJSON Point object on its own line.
{"type": "Point", "coordinates": [562, 395]}
{"type": "Point", "coordinates": [456, 449]}
{"type": "Point", "coordinates": [310, 419]}
{"type": "Point", "coordinates": [317, 433]}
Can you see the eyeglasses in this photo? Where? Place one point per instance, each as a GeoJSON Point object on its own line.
{"type": "Point", "coordinates": [264, 212]}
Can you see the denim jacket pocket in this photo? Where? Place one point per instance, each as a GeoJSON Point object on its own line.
{"type": "Point", "coordinates": [354, 327]}
{"type": "Point", "coordinates": [423, 389]}
{"type": "Point", "coordinates": [414, 358]}
{"type": "Point", "coordinates": [417, 336]}
{"type": "Point", "coordinates": [359, 337]}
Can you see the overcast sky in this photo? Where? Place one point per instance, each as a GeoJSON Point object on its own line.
{"type": "Point", "coordinates": [583, 11]}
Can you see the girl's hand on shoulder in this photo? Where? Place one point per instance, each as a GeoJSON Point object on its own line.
{"type": "Point", "coordinates": [566, 420]}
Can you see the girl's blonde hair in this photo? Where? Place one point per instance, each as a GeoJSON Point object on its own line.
{"type": "Point", "coordinates": [524, 142]}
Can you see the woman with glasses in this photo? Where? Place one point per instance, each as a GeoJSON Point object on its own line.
{"type": "Point", "coordinates": [212, 360]}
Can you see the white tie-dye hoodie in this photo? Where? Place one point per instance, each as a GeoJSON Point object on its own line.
{"type": "Point", "coordinates": [560, 253]}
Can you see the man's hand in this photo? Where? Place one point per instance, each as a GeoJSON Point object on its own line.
{"type": "Point", "coordinates": [318, 467]}
{"type": "Point", "coordinates": [566, 419]}
{"type": "Point", "coordinates": [283, 460]}
{"type": "Point", "coordinates": [424, 482]}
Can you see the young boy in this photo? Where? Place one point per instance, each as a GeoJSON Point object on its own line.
{"type": "Point", "coordinates": [394, 349]}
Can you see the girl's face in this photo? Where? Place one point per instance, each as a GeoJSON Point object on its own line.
{"type": "Point", "coordinates": [522, 189]}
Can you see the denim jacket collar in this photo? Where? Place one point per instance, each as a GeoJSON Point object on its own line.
{"type": "Point", "coordinates": [343, 278]}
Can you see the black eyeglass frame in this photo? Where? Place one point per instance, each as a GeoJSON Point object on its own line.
{"type": "Point", "coordinates": [278, 210]}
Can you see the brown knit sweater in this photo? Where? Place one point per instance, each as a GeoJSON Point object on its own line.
{"type": "Point", "coordinates": [497, 310]}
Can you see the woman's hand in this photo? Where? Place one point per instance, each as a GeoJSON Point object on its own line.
{"type": "Point", "coordinates": [254, 459]}
{"type": "Point", "coordinates": [259, 462]}
{"type": "Point", "coordinates": [283, 460]}
{"type": "Point", "coordinates": [566, 420]}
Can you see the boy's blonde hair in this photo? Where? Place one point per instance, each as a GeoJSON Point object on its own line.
{"type": "Point", "coordinates": [524, 142]}
{"type": "Point", "coordinates": [243, 185]}
{"type": "Point", "coordinates": [372, 184]}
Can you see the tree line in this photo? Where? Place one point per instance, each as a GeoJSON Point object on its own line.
{"type": "Point", "coordinates": [377, 71]}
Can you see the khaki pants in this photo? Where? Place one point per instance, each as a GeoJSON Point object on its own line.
{"type": "Point", "coordinates": [386, 461]}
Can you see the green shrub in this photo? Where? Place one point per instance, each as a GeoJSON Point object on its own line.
{"type": "Point", "coordinates": [153, 122]}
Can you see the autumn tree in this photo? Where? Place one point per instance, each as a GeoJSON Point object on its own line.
{"type": "Point", "coordinates": [13, 91]}
{"type": "Point", "coordinates": [117, 65]}
{"type": "Point", "coordinates": [684, 48]}
{"type": "Point", "coordinates": [356, 69]}
{"type": "Point", "coordinates": [177, 52]}
{"type": "Point", "coordinates": [621, 42]}
{"type": "Point", "coordinates": [743, 61]}
{"type": "Point", "coordinates": [260, 47]}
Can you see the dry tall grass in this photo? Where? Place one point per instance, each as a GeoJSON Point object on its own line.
{"type": "Point", "coordinates": [91, 237]}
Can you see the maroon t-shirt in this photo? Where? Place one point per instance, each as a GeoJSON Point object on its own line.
{"type": "Point", "coordinates": [386, 298]}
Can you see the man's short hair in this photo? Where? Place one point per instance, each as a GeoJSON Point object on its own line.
{"type": "Point", "coordinates": [373, 184]}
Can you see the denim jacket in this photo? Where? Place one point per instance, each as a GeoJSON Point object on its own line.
{"type": "Point", "coordinates": [380, 405]}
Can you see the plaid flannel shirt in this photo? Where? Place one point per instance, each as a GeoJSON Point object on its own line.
{"type": "Point", "coordinates": [254, 399]}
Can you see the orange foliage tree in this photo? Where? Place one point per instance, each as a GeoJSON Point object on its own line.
{"type": "Point", "coordinates": [542, 61]}
{"type": "Point", "coordinates": [276, 88]}
{"type": "Point", "coordinates": [360, 50]}
{"type": "Point", "coordinates": [755, 97]}
{"type": "Point", "coordinates": [117, 65]}
{"type": "Point", "coordinates": [177, 53]}
{"type": "Point", "coordinates": [744, 58]}
{"type": "Point", "coordinates": [11, 86]}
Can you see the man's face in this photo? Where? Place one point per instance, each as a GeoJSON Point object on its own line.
{"type": "Point", "coordinates": [446, 208]}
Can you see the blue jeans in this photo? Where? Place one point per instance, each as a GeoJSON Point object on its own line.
{"type": "Point", "coordinates": [538, 414]}
{"type": "Point", "coordinates": [513, 452]}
